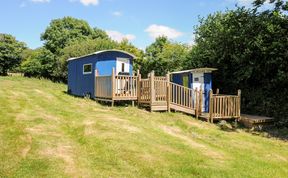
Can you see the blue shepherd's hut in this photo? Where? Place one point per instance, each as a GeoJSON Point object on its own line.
{"type": "Point", "coordinates": [81, 70]}
{"type": "Point", "coordinates": [196, 79]}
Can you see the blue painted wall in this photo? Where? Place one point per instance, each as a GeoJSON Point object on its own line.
{"type": "Point", "coordinates": [178, 79]}
{"type": "Point", "coordinates": [80, 84]}
{"type": "Point", "coordinates": [207, 87]}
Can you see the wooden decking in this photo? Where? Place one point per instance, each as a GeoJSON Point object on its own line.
{"type": "Point", "coordinates": [252, 121]}
{"type": "Point", "coordinates": [160, 94]}
{"type": "Point", "coordinates": [115, 87]}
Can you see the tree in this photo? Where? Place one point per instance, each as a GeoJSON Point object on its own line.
{"type": "Point", "coordinates": [163, 56]}
{"type": "Point", "coordinates": [39, 63]}
{"type": "Point", "coordinates": [99, 34]}
{"type": "Point", "coordinates": [67, 30]}
{"type": "Point", "coordinates": [249, 47]}
{"type": "Point", "coordinates": [279, 5]}
{"type": "Point", "coordinates": [125, 45]}
{"type": "Point", "coordinates": [10, 53]}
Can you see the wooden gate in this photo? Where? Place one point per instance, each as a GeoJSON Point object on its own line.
{"type": "Point", "coordinates": [224, 106]}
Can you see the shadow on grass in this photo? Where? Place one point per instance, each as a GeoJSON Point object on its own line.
{"type": "Point", "coordinates": [272, 132]}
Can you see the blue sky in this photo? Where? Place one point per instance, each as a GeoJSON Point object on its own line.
{"type": "Point", "coordinates": [137, 20]}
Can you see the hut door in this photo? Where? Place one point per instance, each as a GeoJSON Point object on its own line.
{"type": "Point", "coordinates": [185, 80]}
{"type": "Point", "coordinates": [122, 66]}
{"type": "Point", "coordinates": [198, 82]}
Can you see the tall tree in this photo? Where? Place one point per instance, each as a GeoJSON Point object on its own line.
{"type": "Point", "coordinates": [125, 45]}
{"type": "Point", "coordinates": [249, 47]}
{"type": "Point", "coordinates": [10, 53]}
{"type": "Point", "coordinates": [63, 31]}
{"type": "Point", "coordinates": [39, 63]}
{"type": "Point", "coordinates": [163, 56]}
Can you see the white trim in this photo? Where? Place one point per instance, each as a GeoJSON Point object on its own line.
{"type": "Point", "coordinates": [85, 73]}
{"type": "Point", "coordinates": [103, 51]}
{"type": "Point", "coordinates": [202, 70]}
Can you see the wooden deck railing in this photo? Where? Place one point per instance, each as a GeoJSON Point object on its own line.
{"type": "Point", "coordinates": [160, 86]}
{"type": "Point", "coordinates": [161, 94]}
{"type": "Point", "coordinates": [153, 89]}
{"type": "Point", "coordinates": [115, 87]}
{"type": "Point", "coordinates": [125, 87]}
{"type": "Point", "coordinates": [145, 94]}
{"type": "Point", "coordinates": [224, 106]}
{"type": "Point", "coordinates": [103, 87]}
{"type": "Point", "coordinates": [186, 98]}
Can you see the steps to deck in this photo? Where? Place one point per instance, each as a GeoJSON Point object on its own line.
{"type": "Point", "coordinates": [252, 121]}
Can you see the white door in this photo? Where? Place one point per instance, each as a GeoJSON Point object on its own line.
{"type": "Point", "coordinates": [122, 65]}
{"type": "Point", "coordinates": [198, 82]}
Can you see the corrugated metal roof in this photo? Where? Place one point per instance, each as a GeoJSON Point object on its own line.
{"type": "Point", "coordinates": [98, 52]}
{"type": "Point", "coordinates": [205, 69]}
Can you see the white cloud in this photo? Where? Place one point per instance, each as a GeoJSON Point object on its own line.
{"type": "Point", "coordinates": [161, 30]}
{"type": "Point", "coordinates": [117, 36]}
{"type": "Point", "coordinates": [89, 2]}
{"type": "Point", "coordinates": [40, 1]}
{"type": "Point", "coordinates": [117, 13]}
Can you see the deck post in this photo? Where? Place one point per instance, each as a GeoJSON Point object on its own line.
{"type": "Point", "coordinates": [197, 102]}
{"type": "Point", "coordinates": [152, 89]}
{"type": "Point", "coordinates": [138, 87]}
{"type": "Point", "coordinates": [168, 91]}
{"type": "Point", "coordinates": [217, 91]}
{"type": "Point", "coordinates": [210, 119]}
{"type": "Point", "coordinates": [239, 103]}
{"type": "Point", "coordinates": [113, 86]}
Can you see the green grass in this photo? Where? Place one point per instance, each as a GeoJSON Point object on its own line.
{"type": "Point", "coordinates": [47, 133]}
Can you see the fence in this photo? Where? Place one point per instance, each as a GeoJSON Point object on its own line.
{"type": "Point", "coordinates": [161, 94]}
{"type": "Point", "coordinates": [224, 106]}
{"type": "Point", "coordinates": [115, 87]}
{"type": "Point", "coordinates": [103, 87]}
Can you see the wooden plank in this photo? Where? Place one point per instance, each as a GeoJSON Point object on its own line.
{"type": "Point", "coordinates": [113, 83]}
{"type": "Point", "coordinates": [168, 91]}
{"type": "Point", "coordinates": [152, 88]}
{"type": "Point", "coordinates": [182, 109]}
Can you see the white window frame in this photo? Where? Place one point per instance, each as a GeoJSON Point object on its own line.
{"type": "Point", "coordinates": [85, 73]}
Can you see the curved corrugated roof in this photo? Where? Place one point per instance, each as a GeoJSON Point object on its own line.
{"type": "Point", "coordinates": [103, 51]}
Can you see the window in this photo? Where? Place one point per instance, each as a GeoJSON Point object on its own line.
{"type": "Point", "coordinates": [87, 68]}
{"type": "Point", "coordinates": [122, 67]}
{"type": "Point", "coordinates": [196, 79]}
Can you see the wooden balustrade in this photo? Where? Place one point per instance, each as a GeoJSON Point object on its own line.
{"type": "Point", "coordinates": [145, 95]}
{"type": "Point", "coordinates": [116, 87]}
{"type": "Point", "coordinates": [161, 94]}
{"type": "Point", "coordinates": [103, 87]}
{"type": "Point", "coordinates": [224, 106]}
{"type": "Point", "coordinates": [160, 87]}
{"type": "Point", "coordinates": [125, 87]}
{"type": "Point", "coordinates": [182, 97]}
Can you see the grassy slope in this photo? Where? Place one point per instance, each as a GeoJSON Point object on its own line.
{"type": "Point", "coordinates": [45, 132]}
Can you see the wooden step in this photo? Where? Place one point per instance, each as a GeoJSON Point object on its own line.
{"type": "Point", "coordinates": [182, 109]}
